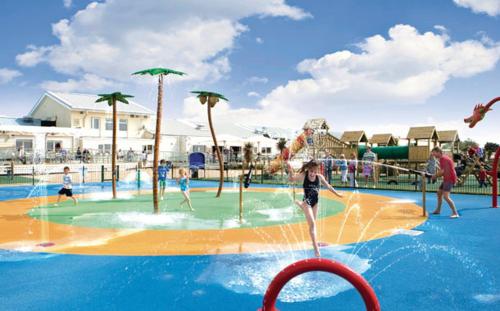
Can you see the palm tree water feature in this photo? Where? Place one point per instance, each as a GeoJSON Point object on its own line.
{"type": "Point", "coordinates": [112, 100]}
{"type": "Point", "coordinates": [245, 179]}
{"type": "Point", "coordinates": [160, 72]}
{"type": "Point", "coordinates": [212, 99]}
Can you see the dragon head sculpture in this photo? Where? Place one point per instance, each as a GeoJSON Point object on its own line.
{"type": "Point", "coordinates": [477, 115]}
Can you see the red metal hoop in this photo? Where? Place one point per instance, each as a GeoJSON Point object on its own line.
{"type": "Point", "coordinates": [318, 264]}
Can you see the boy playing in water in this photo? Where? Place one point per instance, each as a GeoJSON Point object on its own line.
{"type": "Point", "coordinates": [67, 188]}
{"type": "Point", "coordinates": [163, 170]}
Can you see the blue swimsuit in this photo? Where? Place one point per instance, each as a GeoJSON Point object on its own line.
{"type": "Point", "coordinates": [311, 191]}
{"type": "Point", "coordinates": [183, 184]}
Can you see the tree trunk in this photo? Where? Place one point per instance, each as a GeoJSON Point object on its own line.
{"type": "Point", "coordinates": [156, 156]}
{"type": "Point", "coordinates": [219, 156]}
{"type": "Point", "coordinates": [113, 152]}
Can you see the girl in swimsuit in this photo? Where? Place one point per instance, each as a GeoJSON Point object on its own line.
{"type": "Point", "coordinates": [183, 181]}
{"type": "Point", "coordinates": [312, 180]}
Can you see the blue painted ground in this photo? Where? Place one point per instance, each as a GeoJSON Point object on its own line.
{"type": "Point", "coordinates": [453, 265]}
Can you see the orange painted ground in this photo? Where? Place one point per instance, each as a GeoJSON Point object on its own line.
{"type": "Point", "coordinates": [365, 217]}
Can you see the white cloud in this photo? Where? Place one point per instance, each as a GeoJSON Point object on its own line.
{"type": "Point", "coordinates": [67, 3]}
{"type": "Point", "coordinates": [33, 56]}
{"type": "Point", "coordinates": [193, 111]}
{"type": "Point", "coordinates": [408, 67]}
{"type": "Point", "coordinates": [89, 82]}
{"type": "Point", "coordinates": [112, 39]}
{"type": "Point", "coordinates": [257, 80]}
{"type": "Point", "coordinates": [490, 7]}
{"type": "Point", "coordinates": [253, 94]}
{"type": "Point", "coordinates": [259, 40]}
{"type": "Point", "coordinates": [7, 75]}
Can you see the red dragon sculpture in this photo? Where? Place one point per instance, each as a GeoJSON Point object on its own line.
{"type": "Point", "coordinates": [477, 115]}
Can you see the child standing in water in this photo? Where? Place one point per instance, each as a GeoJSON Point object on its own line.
{"type": "Point", "coordinates": [343, 169]}
{"type": "Point", "coordinates": [163, 170]}
{"type": "Point", "coordinates": [352, 168]}
{"type": "Point", "coordinates": [67, 188]}
{"type": "Point", "coordinates": [183, 182]}
{"type": "Point", "coordinates": [312, 180]}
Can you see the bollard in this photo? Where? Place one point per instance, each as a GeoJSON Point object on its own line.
{"type": "Point", "coordinates": [102, 173]}
{"type": "Point", "coordinates": [138, 177]}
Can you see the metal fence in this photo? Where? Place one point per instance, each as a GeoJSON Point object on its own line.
{"type": "Point", "coordinates": [18, 174]}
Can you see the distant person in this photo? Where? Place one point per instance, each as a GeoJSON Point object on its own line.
{"type": "Point", "coordinates": [312, 181]}
{"type": "Point", "coordinates": [369, 157]}
{"type": "Point", "coordinates": [21, 155]}
{"type": "Point", "coordinates": [431, 168]}
{"type": "Point", "coordinates": [130, 155]}
{"type": "Point", "coordinates": [144, 157]}
{"type": "Point", "coordinates": [328, 166]}
{"type": "Point", "coordinates": [79, 154]}
{"type": "Point", "coordinates": [482, 177]}
{"type": "Point", "coordinates": [183, 181]}
{"type": "Point", "coordinates": [447, 171]}
{"type": "Point", "coordinates": [352, 168]}
{"type": "Point", "coordinates": [343, 169]}
{"type": "Point", "coordinates": [67, 188]}
{"type": "Point", "coordinates": [163, 170]}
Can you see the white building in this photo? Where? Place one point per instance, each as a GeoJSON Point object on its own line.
{"type": "Point", "coordinates": [70, 121]}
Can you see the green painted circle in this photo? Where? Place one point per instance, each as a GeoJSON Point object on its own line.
{"type": "Point", "coordinates": [136, 212]}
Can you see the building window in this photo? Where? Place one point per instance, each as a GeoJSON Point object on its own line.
{"type": "Point", "coordinates": [96, 123]}
{"type": "Point", "coordinates": [109, 124]}
{"type": "Point", "coordinates": [104, 148]}
{"type": "Point", "coordinates": [266, 149]}
{"type": "Point", "coordinates": [52, 145]}
{"type": "Point", "coordinates": [199, 148]}
{"type": "Point", "coordinates": [26, 144]}
{"type": "Point", "coordinates": [123, 125]}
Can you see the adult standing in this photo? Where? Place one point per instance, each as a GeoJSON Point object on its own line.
{"type": "Point", "coordinates": [328, 166]}
{"type": "Point", "coordinates": [447, 171]}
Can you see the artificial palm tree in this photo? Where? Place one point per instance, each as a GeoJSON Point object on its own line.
{"type": "Point", "coordinates": [160, 72]}
{"type": "Point", "coordinates": [112, 99]}
{"type": "Point", "coordinates": [212, 99]}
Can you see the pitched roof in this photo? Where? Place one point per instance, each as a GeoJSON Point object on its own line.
{"type": "Point", "coordinates": [448, 136]}
{"type": "Point", "coordinates": [387, 139]}
{"type": "Point", "coordinates": [317, 124]}
{"type": "Point", "coordinates": [87, 102]}
{"type": "Point", "coordinates": [422, 132]}
{"type": "Point", "coordinates": [354, 137]}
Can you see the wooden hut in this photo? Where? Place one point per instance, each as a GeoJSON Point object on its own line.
{"type": "Point", "coordinates": [354, 138]}
{"type": "Point", "coordinates": [383, 140]}
{"type": "Point", "coordinates": [451, 139]}
{"type": "Point", "coordinates": [421, 140]}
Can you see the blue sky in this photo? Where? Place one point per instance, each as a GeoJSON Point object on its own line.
{"type": "Point", "coordinates": [440, 61]}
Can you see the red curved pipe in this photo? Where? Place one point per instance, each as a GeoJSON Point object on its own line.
{"type": "Point", "coordinates": [318, 264]}
{"type": "Point", "coordinates": [495, 178]}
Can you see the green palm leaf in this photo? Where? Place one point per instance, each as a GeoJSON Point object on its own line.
{"type": "Point", "coordinates": [208, 94]}
{"type": "Point", "coordinates": [158, 71]}
{"type": "Point", "coordinates": [116, 96]}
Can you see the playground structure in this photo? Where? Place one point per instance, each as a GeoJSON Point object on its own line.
{"type": "Point", "coordinates": [325, 265]}
{"type": "Point", "coordinates": [478, 114]}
